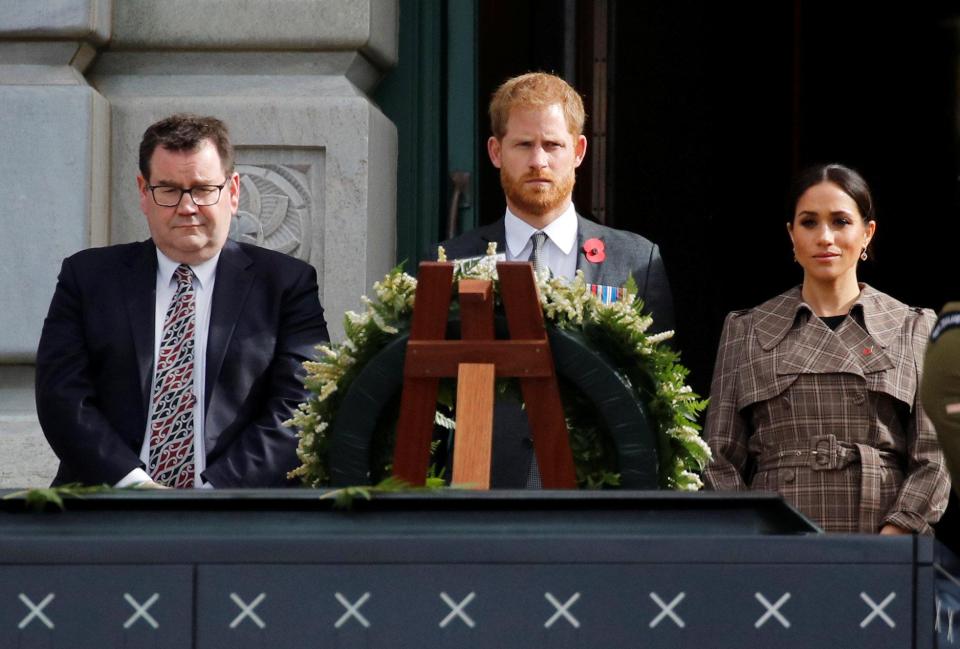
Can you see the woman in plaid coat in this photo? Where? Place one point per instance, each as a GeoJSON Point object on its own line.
{"type": "Point", "coordinates": [815, 392]}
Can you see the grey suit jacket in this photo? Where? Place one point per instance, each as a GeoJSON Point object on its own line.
{"type": "Point", "coordinates": [626, 254]}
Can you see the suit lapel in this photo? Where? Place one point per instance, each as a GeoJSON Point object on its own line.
{"type": "Point", "coordinates": [814, 349]}
{"type": "Point", "coordinates": [140, 296]}
{"type": "Point", "coordinates": [805, 345]}
{"type": "Point", "coordinates": [234, 279]}
{"type": "Point", "coordinates": [809, 346]}
{"type": "Point", "coordinates": [495, 233]}
{"type": "Point", "coordinates": [592, 272]}
{"type": "Point", "coordinates": [868, 352]}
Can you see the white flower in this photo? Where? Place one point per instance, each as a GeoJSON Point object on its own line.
{"type": "Point", "coordinates": [326, 351]}
{"type": "Point", "coordinates": [357, 318]}
{"type": "Point", "coordinates": [326, 391]}
{"type": "Point", "coordinates": [660, 337]}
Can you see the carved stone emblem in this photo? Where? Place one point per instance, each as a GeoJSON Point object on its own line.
{"type": "Point", "coordinates": [275, 209]}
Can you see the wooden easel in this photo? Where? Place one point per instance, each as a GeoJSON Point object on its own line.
{"type": "Point", "coordinates": [476, 360]}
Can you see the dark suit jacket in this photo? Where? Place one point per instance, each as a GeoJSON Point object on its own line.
{"type": "Point", "coordinates": [95, 363]}
{"type": "Point", "coordinates": [626, 254]}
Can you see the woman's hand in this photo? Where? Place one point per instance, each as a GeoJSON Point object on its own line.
{"type": "Point", "coordinates": [890, 529]}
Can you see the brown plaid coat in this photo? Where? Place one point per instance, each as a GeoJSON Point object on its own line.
{"type": "Point", "coordinates": [830, 419]}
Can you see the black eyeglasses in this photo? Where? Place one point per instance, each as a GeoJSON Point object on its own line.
{"type": "Point", "coordinates": [201, 195]}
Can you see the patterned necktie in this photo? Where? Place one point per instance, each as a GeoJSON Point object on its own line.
{"type": "Point", "coordinates": [536, 256]}
{"type": "Point", "coordinates": [171, 428]}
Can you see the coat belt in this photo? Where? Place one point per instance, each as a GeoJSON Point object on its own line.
{"type": "Point", "coordinates": [827, 453]}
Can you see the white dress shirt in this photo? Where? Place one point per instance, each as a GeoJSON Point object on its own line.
{"type": "Point", "coordinates": [560, 248]}
{"type": "Point", "coordinates": [205, 275]}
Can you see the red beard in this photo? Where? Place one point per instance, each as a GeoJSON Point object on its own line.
{"type": "Point", "coordinates": [537, 199]}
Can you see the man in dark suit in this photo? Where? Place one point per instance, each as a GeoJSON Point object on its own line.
{"type": "Point", "coordinates": [175, 361]}
{"type": "Point", "coordinates": [537, 143]}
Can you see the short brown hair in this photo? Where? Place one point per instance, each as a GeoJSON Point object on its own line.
{"type": "Point", "coordinates": [186, 132]}
{"type": "Point", "coordinates": [536, 90]}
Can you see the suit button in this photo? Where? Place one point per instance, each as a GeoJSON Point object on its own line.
{"type": "Point", "coordinates": [528, 442]}
{"type": "Point", "coordinates": [859, 398]}
{"type": "Point", "coordinates": [788, 475]}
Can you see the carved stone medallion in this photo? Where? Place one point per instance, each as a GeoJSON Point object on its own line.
{"type": "Point", "coordinates": [275, 209]}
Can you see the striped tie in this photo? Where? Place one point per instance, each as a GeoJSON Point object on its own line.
{"type": "Point", "coordinates": [171, 426]}
{"type": "Point", "coordinates": [536, 256]}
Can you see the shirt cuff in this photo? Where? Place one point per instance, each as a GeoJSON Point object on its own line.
{"type": "Point", "coordinates": [132, 479]}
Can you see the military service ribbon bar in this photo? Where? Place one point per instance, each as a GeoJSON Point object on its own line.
{"type": "Point", "coordinates": [607, 294]}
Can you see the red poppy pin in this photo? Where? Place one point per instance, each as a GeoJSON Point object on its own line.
{"type": "Point", "coordinates": [593, 249]}
{"type": "Point", "coordinates": [867, 351]}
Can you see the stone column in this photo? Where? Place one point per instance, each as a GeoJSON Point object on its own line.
{"type": "Point", "coordinates": [80, 80]}
{"type": "Point", "coordinates": [54, 161]}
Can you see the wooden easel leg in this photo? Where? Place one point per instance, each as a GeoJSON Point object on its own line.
{"type": "Point", "coordinates": [549, 430]}
{"type": "Point", "coordinates": [411, 457]}
{"type": "Point", "coordinates": [472, 450]}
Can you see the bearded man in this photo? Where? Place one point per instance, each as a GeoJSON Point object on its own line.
{"type": "Point", "coordinates": [537, 144]}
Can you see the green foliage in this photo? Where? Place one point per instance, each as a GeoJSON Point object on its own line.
{"type": "Point", "coordinates": [48, 497]}
{"type": "Point", "coordinates": [345, 497]}
{"type": "Point", "coordinates": [591, 445]}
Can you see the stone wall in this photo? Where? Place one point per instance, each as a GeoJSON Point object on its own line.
{"type": "Point", "coordinates": [80, 80]}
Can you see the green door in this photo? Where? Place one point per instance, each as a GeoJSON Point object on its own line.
{"type": "Point", "coordinates": [431, 96]}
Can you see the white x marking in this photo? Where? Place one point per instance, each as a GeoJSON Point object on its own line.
{"type": "Point", "coordinates": [772, 610]}
{"type": "Point", "coordinates": [141, 611]}
{"type": "Point", "coordinates": [562, 610]}
{"type": "Point", "coordinates": [878, 610]}
{"type": "Point", "coordinates": [456, 610]}
{"type": "Point", "coordinates": [247, 610]}
{"type": "Point", "coordinates": [353, 610]}
{"type": "Point", "coordinates": [667, 610]}
{"type": "Point", "coordinates": [36, 611]}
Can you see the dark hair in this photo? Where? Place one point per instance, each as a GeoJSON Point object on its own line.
{"type": "Point", "coordinates": [186, 132]}
{"type": "Point", "coordinates": [848, 180]}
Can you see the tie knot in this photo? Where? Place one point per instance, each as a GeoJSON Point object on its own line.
{"type": "Point", "coordinates": [538, 238]}
{"type": "Point", "coordinates": [183, 274]}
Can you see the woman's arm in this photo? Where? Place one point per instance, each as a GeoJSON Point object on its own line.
{"type": "Point", "coordinates": [923, 494]}
{"type": "Point", "coordinates": [726, 430]}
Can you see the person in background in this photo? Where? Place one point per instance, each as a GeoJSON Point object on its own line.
{"type": "Point", "coordinates": [940, 388]}
{"type": "Point", "coordinates": [815, 393]}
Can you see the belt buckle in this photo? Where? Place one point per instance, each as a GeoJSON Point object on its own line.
{"type": "Point", "coordinates": [823, 453]}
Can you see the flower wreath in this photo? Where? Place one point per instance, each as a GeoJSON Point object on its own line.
{"type": "Point", "coordinates": [617, 329]}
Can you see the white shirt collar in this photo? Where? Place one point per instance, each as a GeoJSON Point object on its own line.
{"type": "Point", "coordinates": [203, 271]}
{"type": "Point", "coordinates": [562, 231]}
